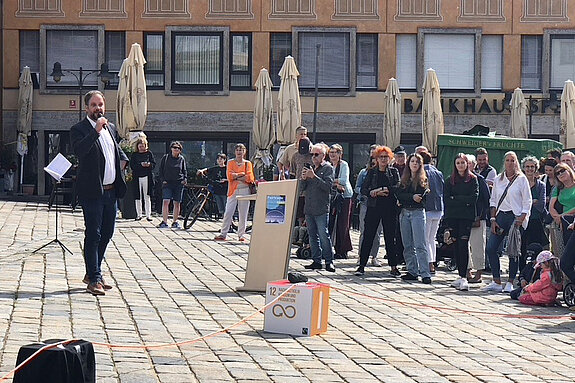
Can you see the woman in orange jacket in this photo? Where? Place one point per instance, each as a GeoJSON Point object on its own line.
{"type": "Point", "coordinates": [240, 175]}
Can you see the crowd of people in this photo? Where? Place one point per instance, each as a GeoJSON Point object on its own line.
{"type": "Point", "coordinates": [476, 212]}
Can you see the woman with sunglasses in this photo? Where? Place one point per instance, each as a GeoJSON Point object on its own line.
{"type": "Point", "coordinates": [379, 188]}
{"type": "Point", "coordinates": [240, 174]}
{"type": "Point", "coordinates": [173, 176]}
{"type": "Point", "coordinates": [340, 209]}
{"type": "Point", "coordinates": [510, 204]}
{"type": "Point", "coordinates": [562, 203]}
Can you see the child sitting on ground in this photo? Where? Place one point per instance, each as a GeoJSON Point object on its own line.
{"type": "Point", "coordinates": [544, 291]}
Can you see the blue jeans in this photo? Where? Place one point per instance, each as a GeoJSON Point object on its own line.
{"type": "Point", "coordinates": [504, 220]}
{"type": "Point", "coordinates": [412, 225]}
{"type": "Point", "coordinates": [99, 220]}
{"type": "Point", "coordinates": [220, 202]}
{"type": "Point", "coordinates": [319, 240]}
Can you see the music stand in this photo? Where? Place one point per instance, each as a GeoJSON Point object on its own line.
{"type": "Point", "coordinates": [57, 168]}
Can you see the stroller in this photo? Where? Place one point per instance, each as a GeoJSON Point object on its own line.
{"type": "Point", "coordinates": [445, 246]}
{"type": "Point", "coordinates": [569, 292]}
{"type": "Point", "coordinates": [300, 238]}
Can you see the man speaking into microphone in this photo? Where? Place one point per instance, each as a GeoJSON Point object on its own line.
{"type": "Point", "coordinates": [99, 182]}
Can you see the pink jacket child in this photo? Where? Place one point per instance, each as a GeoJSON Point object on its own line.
{"type": "Point", "coordinates": [544, 291]}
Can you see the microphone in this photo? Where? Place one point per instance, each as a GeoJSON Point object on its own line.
{"type": "Point", "coordinates": [100, 115]}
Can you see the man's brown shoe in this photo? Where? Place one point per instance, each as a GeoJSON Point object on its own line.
{"type": "Point", "coordinates": [105, 285]}
{"type": "Point", "coordinates": [96, 288]}
{"type": "Point", "coordinates": [86, 279]}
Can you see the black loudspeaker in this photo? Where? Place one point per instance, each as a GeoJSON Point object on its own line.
{"type": "Point", "coordinates": [70, 363]}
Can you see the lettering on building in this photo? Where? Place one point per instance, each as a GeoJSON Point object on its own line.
{"type": "Point", "coordinates": [418, 10]}
{"type": "Point", "coordinates": [230, 9]}
{"type": "Point", "coordinates": [481, 11]}
{"type": "Point", "coordinates": [289, 9]}
{"type": "Point", "coordinates": [544, 11]}
{"type": "Point", "coordinates": [44, 8]}
{"type": "Point", "coordinates": [355, 9]}
{"type": "Point", "coordinates": [475, 106]}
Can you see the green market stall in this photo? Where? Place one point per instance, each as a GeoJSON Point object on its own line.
{"type": "Point", "coordinates": [450, 144]}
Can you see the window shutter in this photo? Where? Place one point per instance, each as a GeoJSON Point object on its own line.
{"type": "Point", "coordinates": [491, 62]}
{"type": "Point", "coordinates": [406, 61]}
{"type": "Point", "coordinates": [453, 58]}
{"type": "Point", "coordinates": [333, 60]}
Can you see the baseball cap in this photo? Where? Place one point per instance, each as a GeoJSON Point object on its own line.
{"type": "Point", "coordinates": [399, 150]}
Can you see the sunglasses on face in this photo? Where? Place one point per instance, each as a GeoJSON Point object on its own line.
{"type": "Point", "coordinates": [176, 147]}
{"type": "Point", "coordinates": [317, 154]}
{"type": "Point", "coordinates": [558, 173]}
{"type": "Point", "coordinates": [383, 157]}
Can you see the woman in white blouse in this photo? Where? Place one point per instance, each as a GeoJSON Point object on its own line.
{"type": "Point", "coordinates": [509, 205]}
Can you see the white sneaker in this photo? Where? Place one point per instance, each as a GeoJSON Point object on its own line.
{"type": "Point", "coordinates": [508, 287]}
{"type": "Point", "coordinates": [456, 283]}
{"type": "Point", "coordinates": [464, 285]}
{"type": "Point", "coordinates": [375, 262]}
{"type": "Point", "coordinates": [493, 287]}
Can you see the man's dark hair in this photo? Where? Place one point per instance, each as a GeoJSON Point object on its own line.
{"type": "Point", "coordinates": [480, 151]}
{"type": "Point", "coordinates": [426, 157]}
{"type": "Point", "coordinates": [555, 153]}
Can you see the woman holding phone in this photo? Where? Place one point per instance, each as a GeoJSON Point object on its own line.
{"type": "Point", "coordinates": [460, 194]}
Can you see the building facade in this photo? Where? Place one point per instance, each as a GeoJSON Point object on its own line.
{"type": "Point", "coordinates": [203, 57]}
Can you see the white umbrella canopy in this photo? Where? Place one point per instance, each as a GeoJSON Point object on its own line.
{"type": "Point", "coordinates": [263, 125]}
{"type": "Point", "coordinates": [518, 114]}
{"type": "Point", "coordinates": [25, 91]}
{"type": "Point", "coordinates": [132, 100]}
{"type": "Point", "coordinates": [567, 132]}
{"type": "Point", "coordinates": [432, 114]}
{"type": "Point", "coordinates": [289, 105]}
{"type": "Point", "coordinates": [392, 110]}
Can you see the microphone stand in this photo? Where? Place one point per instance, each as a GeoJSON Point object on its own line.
{"type": "Point", "coordinates": [55, 240]}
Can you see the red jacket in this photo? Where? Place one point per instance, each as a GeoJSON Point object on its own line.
{"type": "Point", "coordinates": [543, 291]}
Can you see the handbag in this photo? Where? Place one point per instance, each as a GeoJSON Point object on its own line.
{"type": "Point", "coordinates": [253, 188]}
{"type": "Point", "coordinates": [513, 249]}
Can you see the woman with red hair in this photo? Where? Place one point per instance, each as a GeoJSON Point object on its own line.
{"type": "Point", "coordinates": [379, 188]}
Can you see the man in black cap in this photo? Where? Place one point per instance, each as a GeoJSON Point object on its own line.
{"type": "Point", "coordinates": [399, 159]}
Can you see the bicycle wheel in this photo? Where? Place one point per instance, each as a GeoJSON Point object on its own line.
{"type": "Point", "coordinates": [195, 211]}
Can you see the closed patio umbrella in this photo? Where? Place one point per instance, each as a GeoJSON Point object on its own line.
{"type": "Point", "coordinates": [24, 124]}
{"type": "Point", "coordinates": [518, 114]}
{"type": "Point", "coordinates": [432, 114]}
{"type": "Point", "coordinates": [263, 129]}
{"type": "Point", "coordinates": [567, 131]}
{"type": "Point", "coordinates": [289, 106]}
{"type": "Point", "coordinates": [392, 110]}
{"type": "Point", "coordinates": [132, 101]}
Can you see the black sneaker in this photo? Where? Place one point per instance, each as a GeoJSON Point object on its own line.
{"type": "Point", "coordinates": [313, 266]}
{"type": "Point", "coordinates": [426, 281]}
{"type": "Point", "coordinates": [329, 267]}
{"type": "Point", "coordinates": [409, 277]}
{"type": "Point", "coordinates": [395, 273]}
{"type": "Point", "coordinates": [360, 271]}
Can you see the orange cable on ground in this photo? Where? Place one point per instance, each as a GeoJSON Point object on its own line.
{"type": "Point", "coordinates": [462, 311]}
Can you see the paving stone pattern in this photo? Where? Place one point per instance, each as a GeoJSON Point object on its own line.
{"type": "Point", "coordinates": [173, 286]}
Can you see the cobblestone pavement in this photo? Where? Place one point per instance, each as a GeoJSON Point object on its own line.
{"type": "Point", "coordinates": [172, 286]}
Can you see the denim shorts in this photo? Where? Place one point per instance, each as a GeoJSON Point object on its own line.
{"type": "Point", "coordinates": [173, 191]}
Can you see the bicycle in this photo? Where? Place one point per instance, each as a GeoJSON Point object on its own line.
{"type": "Point", "coordinates": [200, 205]}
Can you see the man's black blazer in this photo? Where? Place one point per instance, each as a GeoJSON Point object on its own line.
{"type": "Point", "coordinates": [91, 162]}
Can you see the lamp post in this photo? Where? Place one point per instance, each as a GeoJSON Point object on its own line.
{"type": "Point", "coordinates": [81, 75]}
{"type": "Point", "coordinates": [533, 106]}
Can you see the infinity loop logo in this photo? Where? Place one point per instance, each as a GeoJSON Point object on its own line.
{"type": "Point", "coordinates": [279, 311]}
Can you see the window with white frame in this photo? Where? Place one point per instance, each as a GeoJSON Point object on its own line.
{"type": "Point", "coordinates": [531, 60]}
{"type": "Point", "coordinates": [154, 53]}
{"type": "Point", "coordinates": [366, 61]}
{"type": "Point", "coordinates": [452, 56]}
{"type": "Point", "coordinates": [73, 49]}
{"type": "Point", "coordinates": [491, 62]}
{"type": "Point", "coordinates": [197, 60]}
{"type": "Point", "coordinates": [241, 61]}
{"type": "Point", "coordinates": [406, 61]}
{"type": "Point", "coordinates": [334, 60]}
{"type": "Point", "coordinates": [562, 63]}
{"type": "Point", "coordinates": [30, 53]}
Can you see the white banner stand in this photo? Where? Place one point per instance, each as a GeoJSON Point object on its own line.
{"type": "Point", "coordinates": [272, 224]}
